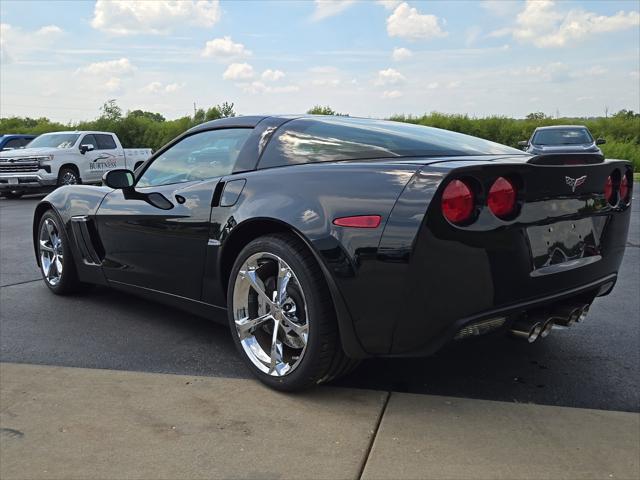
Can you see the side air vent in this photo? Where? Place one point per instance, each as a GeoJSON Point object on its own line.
{"type": "Point", "coordinates": [87, 239]}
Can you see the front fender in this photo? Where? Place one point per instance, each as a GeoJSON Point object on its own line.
{"type": "Point", "coordinates": [67, 202]}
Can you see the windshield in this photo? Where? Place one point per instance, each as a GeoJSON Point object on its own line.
{"type": "Point", "coordinates": [562, 136]}
{"type": "Point", "coordinates": [55, 140]}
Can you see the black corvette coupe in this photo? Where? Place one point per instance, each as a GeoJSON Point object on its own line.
{"type": "Point", "coordinates": [325, 240]}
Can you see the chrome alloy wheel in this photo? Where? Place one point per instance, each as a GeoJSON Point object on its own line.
{"type": "Point", "coordinates": [68, 178]}
{"type": "Point", "coordinates": [270, 314]}
{"type": "Point", "coordinates": [51, 252]}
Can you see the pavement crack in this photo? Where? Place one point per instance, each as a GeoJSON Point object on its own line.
{"type": "Point", "coordinates": [367, 454]}
{"type": "Point", "coordinates": [21, 283]}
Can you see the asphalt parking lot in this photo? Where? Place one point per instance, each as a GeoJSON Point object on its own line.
{"type": "Point", "coordinates": [593, 365]}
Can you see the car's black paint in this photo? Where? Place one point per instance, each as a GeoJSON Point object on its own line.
{"type": "Point", "coordinates": [403, 288]}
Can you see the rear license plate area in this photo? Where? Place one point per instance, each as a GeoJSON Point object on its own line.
{"type": "Point", "coordinates": [569, 243]}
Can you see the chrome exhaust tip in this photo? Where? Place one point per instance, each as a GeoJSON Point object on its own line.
{"type": "Point", "coordinates": [570, 314]}
{"type": "Point", "coordinates": [546, 329]}
{"type": "Point", "coordinates": [528, 329]}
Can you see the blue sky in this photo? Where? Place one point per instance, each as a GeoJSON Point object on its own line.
{"type": "Point", "coordinates": [366, 58]}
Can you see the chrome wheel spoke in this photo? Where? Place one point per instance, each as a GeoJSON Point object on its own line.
{"type": "Point", "coordinates": [252, 277]}
{"type": "Point", "coordinates": [276, 350]}
{"type": "Point", "coordinates": [290, 326]}
{"type": "Point", "coordinates": [284, 275]}
{"type": "Point", "coordinates": [44, 247]}
{"type": "Point", "coordinates": [246, 325]}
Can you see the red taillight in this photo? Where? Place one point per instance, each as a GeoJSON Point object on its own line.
{"type": "Point", "coordinates": [457, 202]}
{"type": "Point", "coordinates": [502, 198]}
{"type": "Point", "coordinates": [624, 189]}
{"type": "Point", "coordinates": [608, 190]}
{"type": "Point", "coordinates": [358, 221]}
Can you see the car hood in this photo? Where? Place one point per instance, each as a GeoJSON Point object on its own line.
{"type": "Point", "coordinates": [29, 152]}
{"type": "Point", "coordinates": [584, 148]}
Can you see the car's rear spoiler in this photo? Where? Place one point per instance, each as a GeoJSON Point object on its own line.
{"type": "Point", "coordinates": [567, 159]}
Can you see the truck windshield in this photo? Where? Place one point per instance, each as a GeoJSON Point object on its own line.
{"type": "Point", "coordinates": [55, 140]}
{"type": "Point", "coordinates": [562, 136]}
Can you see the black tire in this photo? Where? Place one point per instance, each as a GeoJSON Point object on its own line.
{"type": "Point", "coordinates": [323, 359]}
{"type": "Point", "coordinates": [68, 282]}
{"type": "Point", "coordinates": [68, 176]}
{"type": "Point", "coordinates": [13, 194]}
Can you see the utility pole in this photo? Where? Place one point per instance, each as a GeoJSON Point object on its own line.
{"type": "Point", "coordinates": [606, 111]}
{"type": "Point", "coordinates": [194, 109]}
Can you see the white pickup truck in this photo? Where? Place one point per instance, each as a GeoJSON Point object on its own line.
{"type": "Point", "coordinates": [65, 158]}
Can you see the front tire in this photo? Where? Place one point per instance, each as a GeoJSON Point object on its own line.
{"type": "Point", "coordinates": [54, 254]}
{"type": "Point", "coordinates": [68, 176]}
{"type": "Point", "coordinates": [281, 315]}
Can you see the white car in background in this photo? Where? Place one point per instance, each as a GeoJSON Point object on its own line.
{"type": "Point", "coordinates": [65, 158]}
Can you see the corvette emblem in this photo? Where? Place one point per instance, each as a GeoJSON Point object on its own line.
{"type": "Point", "coordinates": [575, 182]}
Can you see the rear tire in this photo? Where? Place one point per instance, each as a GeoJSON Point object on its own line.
{"type": "Point", "coordinates": [307, 344]}
{"type": "Point", "coordinates": [56, 259]}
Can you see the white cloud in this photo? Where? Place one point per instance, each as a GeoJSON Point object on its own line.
{"type": "Point", "coordinates": [238, 71]}
{"type": "Point", "coordinates": [159, 87]}
{"type": "Point", "coordinates": [272, 75]}
{"type": "Point", "coordinates": [555, 71]}
{"type": "Point", "coordinates": [388, 77]}
{"type": "Point", "coordinates": [260, 87]}
{"type": "Point", "coordinates": [401, 53]}
{"type": "Point", "coordinates": [114, 84]}
{"type": "Point", "coordinates": [329, 8]}
{"type": "Point", "coordinates": [389, 4]}
{"type": "Point", "coordinates": [391, 94]}
{"type": "Point", "coordinates": [454, 84]}
{"type": "Point", "coordinates": [433, 85]}
{"type": "Point", "coordinates": [49, 30]}
{"type": "Point", "coordinates": [121, 66]}
{"type": "Point", "coordinates": [130, 17]}
{"type": "Point", "coordinates": [225, 48]}
{"type": "Point", "coordinates": [16, 44]}
{"type": "Point", "coordinates": [326, 82]}
{"type": "Point", "coordinates": [543, 25]}
{"type": "Point", "coordinates": [502, 8]}
{"type": "Point", "coordinates": [406, 22]}
{"type": "Point", "coordinates": [635, 74]}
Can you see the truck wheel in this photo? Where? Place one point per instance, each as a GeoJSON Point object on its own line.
{"type": "Point", "coordinates": [282, 317]}
{"type": "Point", "coordinates": [68, 176]}
{"type": "Point", "coordinates": [13, 194]}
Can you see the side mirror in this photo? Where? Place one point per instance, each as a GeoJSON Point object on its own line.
{"type": "Point", "coordinates": [523, 143]}
{"type": "Point", "coordinates": [86, 148]}
{"type": "Point", "coordinates": [600, 141]}
{"type": "Point", "coordinates": [118, 179]}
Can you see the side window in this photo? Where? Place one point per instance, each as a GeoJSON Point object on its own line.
{"type": "Point", "coordinates": [200, 156]}
{"type": "Point", "coordinates": [105, 142]}
{"type": "Point", "coordinates": [26, 141]}
{"type": "Point", "coordinates": [13, 143]}
{"type": "Point", "coordinates": [89, 140]}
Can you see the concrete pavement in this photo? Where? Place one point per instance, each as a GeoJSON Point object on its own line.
{"type": "Point", "coordinates": [61, 422]}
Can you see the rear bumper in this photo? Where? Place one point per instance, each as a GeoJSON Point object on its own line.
{"type": "Point", "coordinates": [583, 294]}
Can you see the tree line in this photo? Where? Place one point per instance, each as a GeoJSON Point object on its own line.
{"type": "Point", "coordinates": [139, 128]}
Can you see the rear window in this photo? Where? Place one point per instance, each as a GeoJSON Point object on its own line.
{"type": "Point", "coordinates": [308, 140]}
{"type": "Point", "coordinates": [562, 136]}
